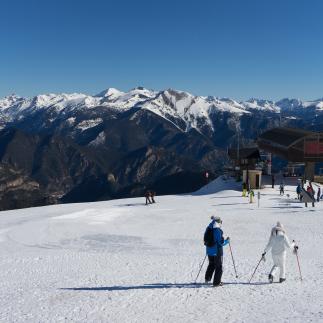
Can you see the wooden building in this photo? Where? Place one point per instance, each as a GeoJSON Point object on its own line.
{"type": "Point", "coordinates": [244, 158]}
{"type": "Point", "coordinates": [294, 145]}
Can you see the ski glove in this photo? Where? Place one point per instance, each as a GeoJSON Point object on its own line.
{"type": "Point", "coordinates": [295, 249]}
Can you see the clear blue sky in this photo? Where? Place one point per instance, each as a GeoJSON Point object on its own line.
{"type": "Point", "coordinates": [233, 48]}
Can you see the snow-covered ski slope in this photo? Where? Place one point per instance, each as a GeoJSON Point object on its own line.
{"type": "Point", "coordinates": [122, 261]}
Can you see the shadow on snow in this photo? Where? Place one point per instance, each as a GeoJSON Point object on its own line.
{"type": "Point", "coordinates": [158, 286]}
{"type": "Point", "coordinates": [130, 204]}
{"type": "Point", "coordinates": [223, 204]}
{"type": "Point", "coordinates": [285, 207]}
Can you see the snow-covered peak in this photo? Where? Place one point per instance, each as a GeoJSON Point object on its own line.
{"type": "Point", "coordinates": [179, 101]}
{"type": "Point", "coordinates": [9, 101]}
{"type": "Point", "coordinates": [186, 103]}
{"type": "Point", "coordinates": [260, 104]}
{"type": "Point", "coordinates": [318, 104]}
{"type": "Point", "coordinates": [183, 109]}
{"type": "Point", "coordinates": [289, 104]}
{"type": "Point", "coordinates": [127, 100]}
{"type": "Point", "coordinates": [142, 92]}
{"type": "Point", "coordinates": [45, 99]}
{"type": "Point", "coordinates": [111, 93]}
{"type": "Point", "coordinates": [61, 101]}
{"type": "Point", "coordinates": [18, 107]}
{"type": "Point", "coordinates": [195, 111]}
{"type": "Point", "coordinates": [292, 104]}
{"type": "Point", "coordinates": [227, 105]}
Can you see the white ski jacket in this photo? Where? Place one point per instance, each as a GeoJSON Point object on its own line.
{"type": "Point", "coordinates": [278, 242]}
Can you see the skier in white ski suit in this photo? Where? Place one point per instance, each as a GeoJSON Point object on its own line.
{"type": "Point", "coordinates": [278, 243]}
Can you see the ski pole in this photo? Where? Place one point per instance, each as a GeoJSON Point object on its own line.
{"type": "Point", "coordinates": [255, 269]}
{"type": "Point", "coordinates": [234, 265]}
{"type": "Point", "coordinates": [200, 270]}
{"type": "Point", "coordinates": [299, 267]}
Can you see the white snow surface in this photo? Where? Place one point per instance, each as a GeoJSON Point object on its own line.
{"type": "Point", "coordinates": [123, 261]}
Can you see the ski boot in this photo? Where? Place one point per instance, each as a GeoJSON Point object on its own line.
{"type": "Point", "coordinates": [218, 285]}
{"type": "Point", "coordinates": [281, 280]}
{"type": "Point", "coordinates": [207, 281]}
{"type": "Point", "coordinates": [271, 278]}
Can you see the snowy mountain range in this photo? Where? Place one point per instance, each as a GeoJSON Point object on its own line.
{"type": "Point", "coordinates": [76, 147]}
{"type": "Point", "coordinates": [183, 109]}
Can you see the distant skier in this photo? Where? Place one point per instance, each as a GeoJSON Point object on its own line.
{"type": "Point", "coordinates": [298, 191]}
{"type": "Point", "coordinates": [152, 196]}
{"type": "Point", "coordinates": [272, 181]}
{"type": "Point", "coordinates": [214, 241]}
{"type": "Point", "coordinates": [278, 243]}
{"type": "Point", "coordinates": [147, 196]}
{"type": "Point", "coordinates": [310, 191]}
{"type": "Point", "coordinates": [318, 194]}
{"type": "Point", "coordinates": [281, 188]}
{"type": "Point", "coordinates": [206, 177]}
{"type": "Point", "coordinates": [312, 188]}
{"type": "Point", "coordinates": [248, 187]}
{"type": "Point", "coordinates": [244, 189]}
{"type": "Point", "coordinates": [251, 196]}
{"type": "Point", "coordinates": [307, 197]}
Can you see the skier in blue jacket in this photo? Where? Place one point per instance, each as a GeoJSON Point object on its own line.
{"type": "Point", "coordinates": [215, 252]}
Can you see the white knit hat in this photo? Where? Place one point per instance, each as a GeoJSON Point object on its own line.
{"type": "Point", "coordinates": [278, 227]}
{"type": "Point", "coordinates": [216, 219]}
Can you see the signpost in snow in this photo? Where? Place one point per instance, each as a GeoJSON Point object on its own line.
{"type": "Point", "coordinates": [258, 195]}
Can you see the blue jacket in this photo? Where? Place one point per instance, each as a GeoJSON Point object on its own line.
{"type": "Point", "coordinates": [219, 242]}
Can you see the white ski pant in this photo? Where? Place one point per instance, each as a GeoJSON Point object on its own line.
{"type": "Point", "coordinates": [279, 263]}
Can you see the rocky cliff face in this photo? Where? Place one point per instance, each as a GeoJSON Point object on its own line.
{"type": "Point", "coordinates": [18, 190]}
{"type": "Point", "coordinates": [122, 157]}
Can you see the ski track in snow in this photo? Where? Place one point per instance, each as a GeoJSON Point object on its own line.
{"type": "Point", "coordinates": [122, 261]}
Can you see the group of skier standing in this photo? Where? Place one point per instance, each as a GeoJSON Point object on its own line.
{"type": "Point", "coordinates": [247, 191]}
{"type": "Point", "coordinates": [150, 197]}
{"type": "Point", "coordinates": [308, 195]}
{"type": "Point", "coordinates": [278, 243]}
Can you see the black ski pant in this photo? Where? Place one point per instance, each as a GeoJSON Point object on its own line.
{"type": "Point", "coordinates": [215, 266]}
{"type": "Point", "coordinates": [312, 204]}
{"type": "Point", "coordinates": [148, 201]}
